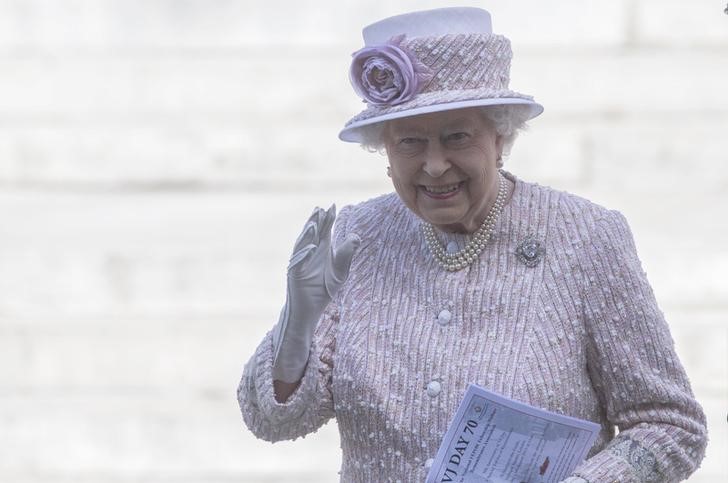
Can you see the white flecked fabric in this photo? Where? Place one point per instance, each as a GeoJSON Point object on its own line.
{"type": "Point", "coordinates": [468, 70]}
{"type": "Point", "coordinates": [580, 333]}
{"type": "Point", "coordinates": [464, 67]}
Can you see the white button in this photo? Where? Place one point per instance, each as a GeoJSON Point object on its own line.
{"type": "Point", "coordinates": [428, 463]}
{"type": "Point", "coordinates": [444, 317]}
{"type": "Point", "coordinates": [433, 388]}
{"type": "Point", "coordinates": [452, 247]}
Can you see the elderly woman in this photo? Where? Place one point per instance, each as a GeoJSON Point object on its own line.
{"type": "Point", "coordinates": [467, 274]}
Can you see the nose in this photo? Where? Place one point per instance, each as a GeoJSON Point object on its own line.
{"type": "Point", "coordinates": [435, 161]}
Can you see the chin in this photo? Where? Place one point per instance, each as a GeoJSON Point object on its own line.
{"type": "Point", "coordinates": [442, 219]}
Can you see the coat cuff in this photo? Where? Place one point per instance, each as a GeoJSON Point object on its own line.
{"type": "Point", "coordinates": [260, 373]}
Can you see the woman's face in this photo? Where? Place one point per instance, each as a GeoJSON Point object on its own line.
{"type": "Point", "coordinates": [444, 166]}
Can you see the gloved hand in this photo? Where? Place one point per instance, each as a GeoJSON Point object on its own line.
{"type": "Point", "coordinates": [315, 274]}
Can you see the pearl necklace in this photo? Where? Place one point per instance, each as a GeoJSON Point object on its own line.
{"type": "Point", "coordinates": [453, 262]}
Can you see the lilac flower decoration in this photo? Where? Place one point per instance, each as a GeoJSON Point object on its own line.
{"type": "Point", "coordinates": [387, 75]}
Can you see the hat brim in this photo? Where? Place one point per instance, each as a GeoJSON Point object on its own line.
{"type": "Point", "coordinates": [353, 133]}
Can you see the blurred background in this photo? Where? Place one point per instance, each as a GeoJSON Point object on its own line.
{"type": "Point", "coordinates": [158, 159]}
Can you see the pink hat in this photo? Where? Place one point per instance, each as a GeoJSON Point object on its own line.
{"type": "Point", "coordinates": [429, 61]}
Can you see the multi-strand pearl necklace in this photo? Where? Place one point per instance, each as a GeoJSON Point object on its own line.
{"type": "Point", "coordinates": [453, 262]}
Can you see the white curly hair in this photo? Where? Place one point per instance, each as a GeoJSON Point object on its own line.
{"type": "Point", "coordinates": [508, 121]}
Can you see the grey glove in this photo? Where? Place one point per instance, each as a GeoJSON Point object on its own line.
{"type": "Point", "coordinates": [315, 274]}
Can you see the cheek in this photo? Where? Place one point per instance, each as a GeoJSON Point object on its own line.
{"type": "Point", "coordinates": [404, 188]}
{"type": "Point", "coordinates": [402, 176]}
{"type": "Point", "coordinates": [484, 165]}
{"type": "Point", "coordinates": [406, 191]}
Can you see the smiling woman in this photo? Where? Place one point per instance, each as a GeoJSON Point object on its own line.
{"type": "Point", "coordinates": [467, 274]}
{"type": "Point", "coordinates": [444, 167]}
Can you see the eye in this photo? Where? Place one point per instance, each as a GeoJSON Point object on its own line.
{"type": "Point", "coordinates": [409, 141]}
{"type": "Point", "coordinates": [409, 145]}
{"type": "Point", "coordinates": [457, 137]}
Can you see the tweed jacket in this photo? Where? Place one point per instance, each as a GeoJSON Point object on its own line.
{"type": "Point", "coordinates": [571, 326]}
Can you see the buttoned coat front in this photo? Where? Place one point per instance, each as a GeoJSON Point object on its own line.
{"type": "Point", "coordinates": [570, 325]}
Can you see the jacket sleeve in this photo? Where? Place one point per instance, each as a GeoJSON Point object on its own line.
{"type": "Point", "coordinates": [311, 405]}
{"type": "Point", "coordinates": [633, 366]}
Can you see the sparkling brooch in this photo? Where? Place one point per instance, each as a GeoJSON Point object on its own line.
{"type": "Point", "coordinates": [530, 251]}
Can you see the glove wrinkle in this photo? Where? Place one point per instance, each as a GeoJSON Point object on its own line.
{"type": "Point", "coordinates": [315, 274]}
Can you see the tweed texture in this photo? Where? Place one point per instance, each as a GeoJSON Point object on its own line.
{"type": "Point", "coordinates": [464, 67]}
{"type": "Point", "coordinates": [580, 333]}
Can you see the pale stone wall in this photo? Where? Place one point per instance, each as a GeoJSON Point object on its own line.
{"type": "Point", "coordinates": [158, 157]}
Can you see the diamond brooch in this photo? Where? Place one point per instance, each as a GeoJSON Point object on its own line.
{"type": "Point", "coordinates": [530, 251]}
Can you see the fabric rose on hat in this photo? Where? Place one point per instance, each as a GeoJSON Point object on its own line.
{"type": "Point", "coordinates": [387, 75]}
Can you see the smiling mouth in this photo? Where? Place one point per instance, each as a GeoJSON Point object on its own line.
{"type": "Point", "coordinates": [441, 191]}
